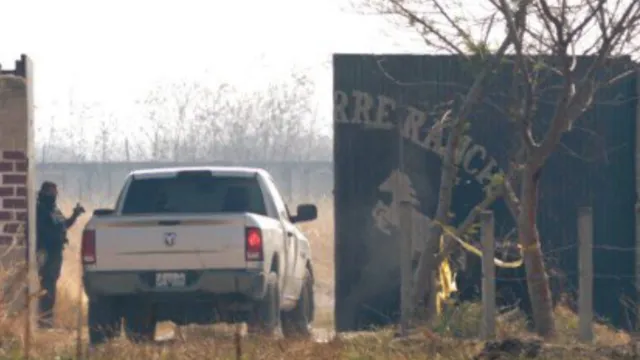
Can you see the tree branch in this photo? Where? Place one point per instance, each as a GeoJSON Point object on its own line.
{"type": "Point", "coordinates": [578, 96]}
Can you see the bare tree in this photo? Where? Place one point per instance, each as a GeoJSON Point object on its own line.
{"type": "Point", "coordinates": [45, 134]}
{"type": "Point", "coordinates": [105, 143]}
{"type": "Point", "coordinates": [155, 132]}
{"type": "Point", "coordinates": [170, 111]}
{"type": "Point", "coordinates": [190, 122]}
{"type": "Point", "coordinates": [538, 37]}
{"type": "Point", "coordinates": [65, 135]}
{"type": "Point", "coordinates": [283, 120]}
{"type": "Point", "coordinates": [206, 130]}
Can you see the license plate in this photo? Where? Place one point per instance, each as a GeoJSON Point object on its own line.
{"type": "Point", "coordinates": [171, 279]}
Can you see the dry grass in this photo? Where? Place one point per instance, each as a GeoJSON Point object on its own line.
{"type": "Point", "coordinates": [454, 337]}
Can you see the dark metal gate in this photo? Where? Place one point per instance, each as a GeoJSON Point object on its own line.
{"type": "Point", "coordinates": [594, 166]}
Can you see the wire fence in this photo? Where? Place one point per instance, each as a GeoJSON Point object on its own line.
{"type": "Point", "coordinates": [574, 249]}
{"type": "Point", "coordinates": [594, 293]}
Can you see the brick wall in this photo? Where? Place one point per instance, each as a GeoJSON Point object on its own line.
{"type": "Point", "coordinates": [13, 191]}
{"type": "Point", "coordinates": [16, 134]}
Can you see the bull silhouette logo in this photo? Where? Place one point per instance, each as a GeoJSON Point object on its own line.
{"type": "Point", "coordinates": [386, 215]}
{"type": "Point", "coordinates": [399, 185]}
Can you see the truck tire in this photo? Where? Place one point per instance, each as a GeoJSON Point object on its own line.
{"type": "Point", "coordinates": [265, 318]}
{"type": "Point", "coordinates": [296, 323]}
{"type": "Point", "coordinates": [139, 321]}
{"type": "Point", "coordinates": [103, 320]}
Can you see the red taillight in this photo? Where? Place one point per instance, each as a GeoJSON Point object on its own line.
{"type": "Point", "coordinates": [253, 244]}
{"type": "Point", "coordinates": [88, 250]}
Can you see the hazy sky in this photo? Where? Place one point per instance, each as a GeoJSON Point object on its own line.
{"type": "Point", "coordinates": [112, 52]}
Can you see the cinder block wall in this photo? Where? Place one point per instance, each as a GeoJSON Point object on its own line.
{"type": "Point", "coordinates": [15, 142]}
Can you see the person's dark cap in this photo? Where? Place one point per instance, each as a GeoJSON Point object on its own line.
{"type": "Point", "coordinates": [47, 185]}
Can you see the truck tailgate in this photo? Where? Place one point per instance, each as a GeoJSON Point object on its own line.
{"type": "Point", "coordinates": [171, 243]}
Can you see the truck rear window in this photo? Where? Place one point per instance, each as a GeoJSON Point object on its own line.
{"type": "Point", "coordinates": [194, 194]}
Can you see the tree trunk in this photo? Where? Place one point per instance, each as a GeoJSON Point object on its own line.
{"type": "Point", "coordinates": [425, 282]}
{"type": "Point", "coordinates": [537, 280]}
{"type": "Point", "coordinates": [424, 276]}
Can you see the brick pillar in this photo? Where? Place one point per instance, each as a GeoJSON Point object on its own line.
{"type": "Point", "coordinates": [13, 190]}
{"type": "Point", "coordinates": [16, 183]}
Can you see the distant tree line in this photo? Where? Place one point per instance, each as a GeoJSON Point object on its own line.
{"type": "Point", "coordinates": [189, 121]}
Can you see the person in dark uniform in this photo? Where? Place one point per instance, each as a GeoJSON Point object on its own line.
{"type": "Point", "coordinates": [51, 239]}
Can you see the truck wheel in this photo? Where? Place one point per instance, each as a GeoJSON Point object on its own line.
{"type": "Point", "coordinates": [140, 321]}
{"type": "Point", "coordinates": [266, 314]}
{"type": "Point", "coordinates": [104, 320]}
{"type": "Point", "coordinates": [297, 322]}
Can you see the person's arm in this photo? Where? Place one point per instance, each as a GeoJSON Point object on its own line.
{"type": "Point", "coordinates": [68, 222]}
{"type": "Point", "coordinates": [77, 211]}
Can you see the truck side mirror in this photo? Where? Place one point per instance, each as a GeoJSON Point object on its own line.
{"type": "Point", "coordinates": [306, 212]}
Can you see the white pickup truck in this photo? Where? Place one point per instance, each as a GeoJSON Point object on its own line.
{"type": "Point", "coordinates": [197, 245]}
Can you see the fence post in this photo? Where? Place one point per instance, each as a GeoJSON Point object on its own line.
{"type": "Point", "coordinates": [585, 300]}
{"type": "Point", "coordinates": [488, 327]}
{"type": "Point", "coordinates": [406, 269]}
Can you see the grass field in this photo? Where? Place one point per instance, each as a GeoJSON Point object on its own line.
{"type": "Point", "coordinates": [454, 337]}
